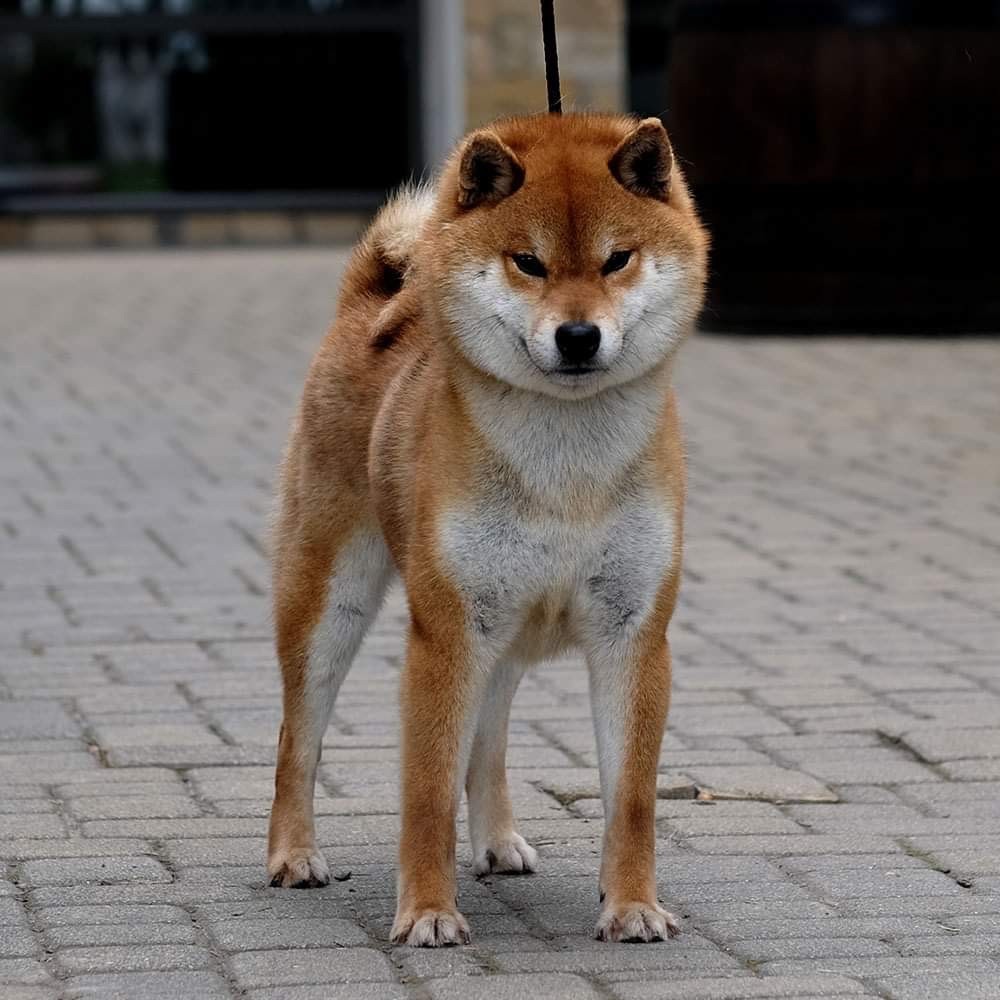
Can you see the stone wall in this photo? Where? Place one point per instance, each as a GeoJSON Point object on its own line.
{"type": "Point", "coordinates": [505, 68]}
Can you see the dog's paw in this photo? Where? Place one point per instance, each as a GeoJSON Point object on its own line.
{"type": "Point", "coordinates": [298, 869]}
{"type": "Point", "coordinates": [636, 923]}
{"type": "Point", "coordinates": [508, 855]}
{"type": "Point", "coordinates": [430, 928]}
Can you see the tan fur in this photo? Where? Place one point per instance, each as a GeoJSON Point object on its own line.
{"type": "Point", "coordinates": [398, 443]}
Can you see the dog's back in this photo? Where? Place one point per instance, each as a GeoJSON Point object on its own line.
{"type": "Point", "coordinates": [364, 349]}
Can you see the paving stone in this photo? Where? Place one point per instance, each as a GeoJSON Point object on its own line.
{"type": "Point", "coordinates": [971, 770]}
{"type": "Point", "coordinates": [246, 935]}
{"type": "Point", "coordinates": [968, 986]}
{"type": "Point", "coordinates": [16, 941]}
{"type": "Point", "coordinates": [98, 782]}
{"type": "Point", "coordinates": [699, 893]}
{"type": "Point", "coordinates": [26, 718]}
{"type": "Point", "coordinates": [65, 871]}
{"type": "Point", "coordinates": [879, 883]}
{"type": "Point", "coordinates": [772, 783]}
{"type": "Point", "coordinates": [31, 825]}
{"type": "Point", "coordinates": [171, 829]}
{"type": "Point", "coordinates": [808, 947]}
{"type": "Point", "coordinates": [188, 755]}
{"type": "Point", "coordinates": [944, 908]}
{"type": "Point", "coordinates": [312, 965]}
{"type": "Point", "coordinates": [11, 910]}
{"type": "Point", "coordinates": [950, 944]}
{"type": "Point", "coordinates": [276, 907]}
{"type": "Point", "coordinates": [856, 843]}
{"type": "Point", "coordinates": [22, 972]}
{"type": "Point", "coordinates": [73, 847]}
{"type": "Point", "coordinates": [540, 987]}
{"type": "Point", "coordinates": [155, 735]}
{"type": "Point", "coordinates": [738, 909]}
{"type": "Point", "coordinates": [873, 765]}
{"type": "Point", "coordinates": [18, 806]}
{"type": "Point", "coordinates": [331, 991]}
{"type": "Point", "coordinates": [47, 768]}
{"type": "Point", "coordinates": [133, 806]}
{"type": "Point", "coordinates": [99, 935]}
{"type": "Point", "coordinates": [162, 985]}
{"type": "Point", "coordinates": [677, 954]}
{"type": "Point", "coordinates": [742, 988]}
{"type": "Point", "coordinates": [439, 963]}
{"type": "Point", "coordinates": [870, 968]}
{"type": "Point", "coordinates": [138, 958]}
{"type": "Point", "coordinates": [892, 818]}
{"type": "Point", "coordinates": [935, 745]}
{"type": "Point", "coordinates": [90, 916]}
{"type": "Point", "coordinates": [836, 863]}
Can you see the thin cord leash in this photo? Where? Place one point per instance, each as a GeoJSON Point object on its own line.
{"type": "Point", "coordinates": [551, 57]}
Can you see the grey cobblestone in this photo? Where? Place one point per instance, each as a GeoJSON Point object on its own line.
{"type": "Point", "coordinates": [17, 942]}
{"type": "Point", "coordinates": [324, 932]}
{"type": "Point", "coordinates": [540, 987]}
{"type": "Point", "coordinates": [128, 958]}
{"type": "Point", "coordinates": [836, 706]}
{"type": "Point", "coordinates": [12, 991]}
{"type": "Point", "coordinates": [101, 935]}
{"type": "Point", "coordinates": [316, 965]}
{"type": "Point", "coordinates": [330, 991]}
{"type": "Point", "coordinates": [967, 985]}
{"type": "Point", "coordinates": [147, 986]}
{"type": "Point", "coordinates": [66, 871]}
{"type": "Point", "coordinates": [90, 916]}
{"type": "Point", "coordinates": [22, 972]}
{"type": "Point", "coordinates": [728, 989]}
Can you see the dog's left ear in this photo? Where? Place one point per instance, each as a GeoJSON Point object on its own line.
{"type": "Point", "coordinates": [643, 161]}
{"type": "Point", "coordinates": [488, 170]}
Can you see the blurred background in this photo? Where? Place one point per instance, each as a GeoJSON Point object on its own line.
{"type": "Point", "coordinates": [845, 153]}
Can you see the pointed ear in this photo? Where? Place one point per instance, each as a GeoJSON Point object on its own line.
{"type": "Point", "coordinates": [488, 170]}
{"type": "Point", "coordinates": [643, 161]}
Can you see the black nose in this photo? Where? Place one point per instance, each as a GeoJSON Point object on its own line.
{"type": "Point", "coordinates": [578, 342]}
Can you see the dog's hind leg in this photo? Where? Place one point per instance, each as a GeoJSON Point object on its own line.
{"type": "Point", "coordinates": [328, 588]}
{"type": "Point", "coordinates": [496, 844]}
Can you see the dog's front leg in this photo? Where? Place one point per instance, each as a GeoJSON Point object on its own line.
{"type": "Point", "coordinates": [630, 694]}
{"type": "Point", "coordinates": [442, 687]}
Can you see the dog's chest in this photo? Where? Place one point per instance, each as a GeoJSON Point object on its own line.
{"type": "Point", "coordinates": [514, 566]}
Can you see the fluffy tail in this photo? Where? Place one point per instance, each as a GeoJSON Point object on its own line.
{"type": "Point", "coordinates": [383, 255]}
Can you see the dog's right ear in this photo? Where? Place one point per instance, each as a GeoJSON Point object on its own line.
{"type": "Point", "coordinates": [488, 171]}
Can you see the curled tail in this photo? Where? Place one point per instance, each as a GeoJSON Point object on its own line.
{"type": "Point", "coordinates": [383, 255]}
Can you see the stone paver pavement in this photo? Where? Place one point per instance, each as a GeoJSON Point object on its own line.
{"type": "Point", "coordinates": [830, 812]}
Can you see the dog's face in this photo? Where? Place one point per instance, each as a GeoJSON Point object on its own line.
{"type": "Point", "coordinates": [568, 257]}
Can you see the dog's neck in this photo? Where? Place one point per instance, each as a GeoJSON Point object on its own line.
{"type": "Point", "coordinates": [563, 447]}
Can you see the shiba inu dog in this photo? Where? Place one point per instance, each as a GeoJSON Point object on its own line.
{"type": "Point", "coordinates": [491, 416]}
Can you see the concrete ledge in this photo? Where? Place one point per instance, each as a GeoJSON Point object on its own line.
{"type": "Point", "coordinates": [201, 229]}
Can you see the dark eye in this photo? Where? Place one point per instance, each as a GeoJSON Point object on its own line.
{"type": "Point", "coordinates": [616, 261]}
{"type": "Point", "coordinates": [529, 264]}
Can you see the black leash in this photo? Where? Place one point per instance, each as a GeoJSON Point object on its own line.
{"type": "Point", "coordinates": [551, 57]}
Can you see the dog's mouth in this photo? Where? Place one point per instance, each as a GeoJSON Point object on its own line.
{"type": "Point", "coordinates": [565, 375]}
{"type": "Point", "coordinates": [568, 373]}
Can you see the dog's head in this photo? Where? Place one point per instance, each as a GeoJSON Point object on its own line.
{"type": "Point", "coordinates": [568, 257]}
